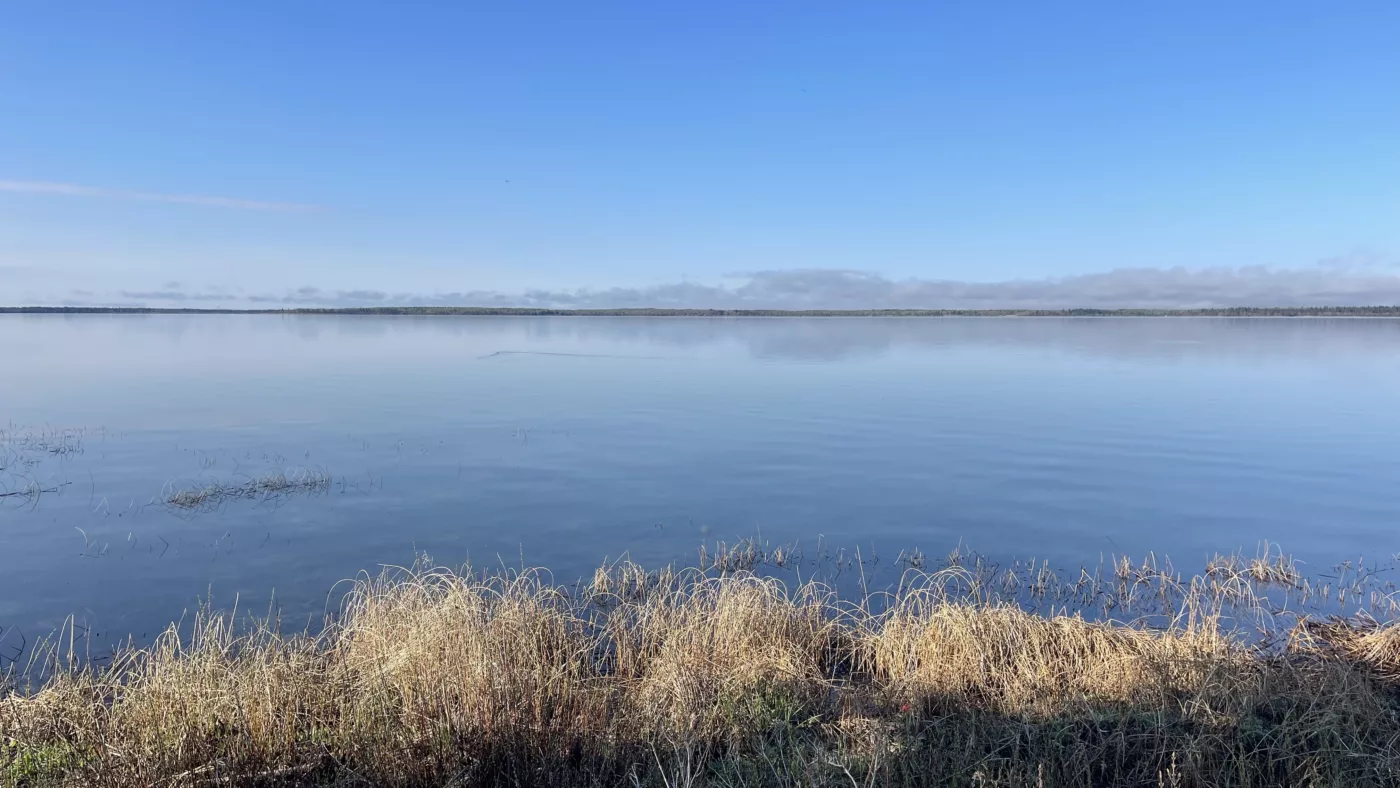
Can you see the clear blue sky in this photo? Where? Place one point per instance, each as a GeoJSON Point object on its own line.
{"type": "Point", "coordinates": [458, 147]}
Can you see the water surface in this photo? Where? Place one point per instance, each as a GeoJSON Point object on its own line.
{"type": "Point", "coordinates": [559, 441]}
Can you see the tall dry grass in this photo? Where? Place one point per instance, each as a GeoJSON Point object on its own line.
{"type": "Point", "coordinates": [683, 678]}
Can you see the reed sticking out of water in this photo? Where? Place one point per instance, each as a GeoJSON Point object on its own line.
{"type": "Point", "coordinates": [215, 494]}
{"type": "Point", "coordinates": [687, 678]}
{"type": "Point", "coordinates": [23, 449]}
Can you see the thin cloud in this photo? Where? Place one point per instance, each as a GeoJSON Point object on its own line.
{"type": "Point", "coordinates": [170, 295]}
{"type": "Point", "coordinates": [76, 190]}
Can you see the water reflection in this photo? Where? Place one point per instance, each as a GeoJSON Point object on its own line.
{"type": "Point", "coordinates": [836, 339]}
{"type": "Point", "coordinates": [804, 339]}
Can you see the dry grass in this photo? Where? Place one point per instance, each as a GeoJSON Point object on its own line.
{"type": "Point", "coordinates": [682, 678]}
{"type": "Point", "coordinates": [1268, 568]}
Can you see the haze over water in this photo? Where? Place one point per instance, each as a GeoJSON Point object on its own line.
{"type": "Point", "coordinates": [559, 441]}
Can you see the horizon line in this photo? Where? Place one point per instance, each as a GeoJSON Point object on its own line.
{"type": "Point", "coordinates": [1376, 310]}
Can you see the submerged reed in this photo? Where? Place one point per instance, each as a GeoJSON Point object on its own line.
{"type": "Point", "coordinates": [964, 676]}
{"type": "Point", "coordinates": [211, 495]}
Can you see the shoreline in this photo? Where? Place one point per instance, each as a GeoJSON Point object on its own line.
{"type": "Point", "coordinates": [1230, 312]}
{"type": "Point", "coordinates": [970, 674]}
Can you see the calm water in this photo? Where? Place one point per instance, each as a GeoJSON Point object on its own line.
{"type": "Point", "coordinates": [566, 440]}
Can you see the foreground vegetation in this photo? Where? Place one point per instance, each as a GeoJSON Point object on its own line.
{"type": "Point", "coordinates": [971, 675]}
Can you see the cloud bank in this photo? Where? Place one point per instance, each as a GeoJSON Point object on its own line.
{"type": "Point", "coordinates": [75, 190]}
{"type": "Point", "coordinates": [1323, 285]}
{"type": "Point", "coordinates": [1342, 282]}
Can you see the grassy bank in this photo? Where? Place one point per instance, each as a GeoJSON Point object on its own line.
{"type": "Point", "coordinates": [972, 675]}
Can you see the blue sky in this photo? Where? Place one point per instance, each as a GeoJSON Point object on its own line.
{"type": "Point", "coordinates": [357, 152]}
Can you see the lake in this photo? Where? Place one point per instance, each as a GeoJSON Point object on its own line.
{"type": "Point", "coordinates": [561, 441]}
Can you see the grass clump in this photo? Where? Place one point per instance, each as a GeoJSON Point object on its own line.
{"type": "Point", "coordinates": [212, 495]}
{"type": "Point", "coordinates": [430, 677]}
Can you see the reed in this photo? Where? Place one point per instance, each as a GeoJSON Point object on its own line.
{"type": "Point", "coordinates": [966, 676]}
{"type": "Point", "coordinates": [211, 495]}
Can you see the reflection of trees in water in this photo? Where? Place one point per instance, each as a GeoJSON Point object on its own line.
{"type": "Point", "coordinates": [821, 339]}
{"type": "Point", "coordinates": [1162, 339]}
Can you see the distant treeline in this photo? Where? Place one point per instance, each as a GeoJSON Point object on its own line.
{"type": "Point", "coordinates": [1242, 311]}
